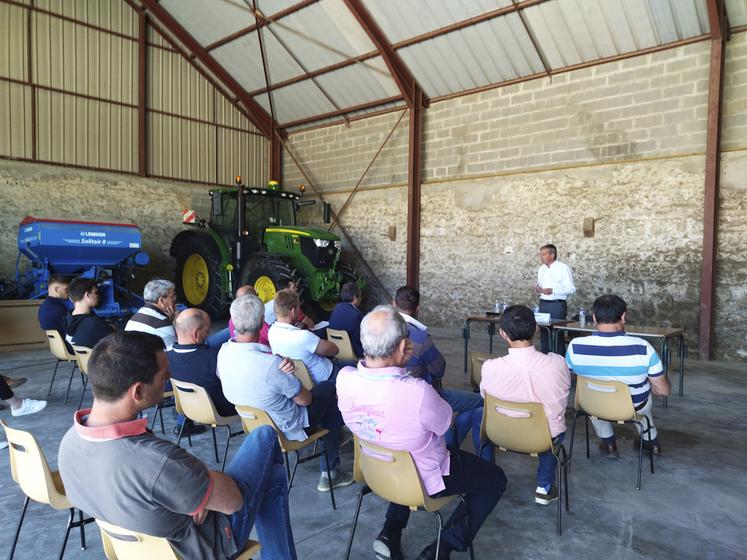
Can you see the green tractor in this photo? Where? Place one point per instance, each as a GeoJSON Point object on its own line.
{"type": "Point", "coordinates": [252, 238]}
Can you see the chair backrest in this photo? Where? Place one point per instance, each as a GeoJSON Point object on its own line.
{"type": "Point", "coordinates": [82, 354]}
{"type": "Point", "coordinates": [30, 469]}
{"type": "Point", "coordinates": [57, 346]}
{"type": "Point", "coordinates": [520, 427]}
{"type": "Point", "coordinates": [476, 359]}
{"type": "Point", "coordinates": [195, 403]}
{"type": "Point", "coordinates": [129, 545]}
{"type": "Point", "coordinates": [391, 474]}
{"type": "Point", "coordinates": [342, 339]}
{"type": "Point", "coordinates": [303, 375]}
{"type": "Point", "coordinates": [252, 418]}
{"type": "Point", "coordinates": [609, 400]}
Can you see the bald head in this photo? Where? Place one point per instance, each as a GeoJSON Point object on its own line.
{"type": "Point", "coordinates": [247, 290]}
{"type": "Point", "coordinates": [192, 326]}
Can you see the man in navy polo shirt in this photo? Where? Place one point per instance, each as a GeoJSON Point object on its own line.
{"type": "Point", "coordinates": [55, 307]}
{"type": "Point", "coordinates": [347, 317]}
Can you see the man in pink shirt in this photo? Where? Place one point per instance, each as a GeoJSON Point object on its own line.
{"type": "Point", "coordinates": [381, 403]}
{"type": "Point", "coordinates": [526, 375]}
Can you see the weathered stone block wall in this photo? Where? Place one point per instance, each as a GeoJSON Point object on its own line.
{"type": "Point", "coordinates": [73, 194]}
{"type": "Point", "coordinates": [510, 169]}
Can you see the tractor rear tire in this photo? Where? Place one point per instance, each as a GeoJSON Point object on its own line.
{"type": "Point", "coordinates": [198, 276]}
{"type": "Point", "coordinates": [266, 273]}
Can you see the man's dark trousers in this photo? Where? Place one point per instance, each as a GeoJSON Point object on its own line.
{"type": "Point", "coordinates": [558, 309]}
{"type": "Point", "coordinates": [481, 483]}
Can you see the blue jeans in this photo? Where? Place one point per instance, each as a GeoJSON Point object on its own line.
{"type": "Point", "coordinates": [546, 465]}
{"type": "Point", "coordinates": [257, 469]}
{"type": "Point", "coordinates": [323, 412]}
{"type": "Point", "coordinates": [482, 485]}
{"type": "Point", "coordinates": [216, 340]}
{"type": "Point", "coordinates": [469, 407]}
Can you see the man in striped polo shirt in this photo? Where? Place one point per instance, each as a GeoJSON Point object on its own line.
{"type": "Point", "coordinates": [157, 315]}
{"type": "Point", "coordinates": [611, 355]}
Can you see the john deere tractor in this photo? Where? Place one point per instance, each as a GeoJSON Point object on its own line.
{"type": "Point", "coordinates": [251, 237]}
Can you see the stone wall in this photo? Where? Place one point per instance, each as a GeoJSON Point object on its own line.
{"type": "Point", "coordinates": [74, 194]}
{"type": "Point", "coordinates": [512, 168]}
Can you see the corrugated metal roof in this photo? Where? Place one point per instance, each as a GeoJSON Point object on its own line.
{"type": "Point", "coordinates": [470, 55]}
{"type": "Point", "coordinates": [737, 10]}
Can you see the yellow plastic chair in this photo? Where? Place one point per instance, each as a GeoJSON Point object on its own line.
{"type": "Point", "coordinates": [197, 405]}
{"type": "Point", "coordinates": [252, 418]}
{"type": "Point", "coordinates": [528, 432]}
{"type": "Point", "coordinates": [476, 360]}
{"type": "Point", "coordinates": [393, 476]}
{"type": "Point", "coordinates": [342, 339]}
{"type": "Point", "coordinates": [59, 350]}
{"type": "Point", "coordinates": [83, 354]}
{"type": "Point", "coordinates": [123, 544]}
{"type": "Point", "coordinates": [30, 470]}
{"type": "Point", "coordinates": [610, 401]}
{"type": "Point", "coordinates": [303, 375]}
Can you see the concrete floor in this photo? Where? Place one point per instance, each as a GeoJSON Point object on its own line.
{"type": "Point", "coordinates": [692, 507]}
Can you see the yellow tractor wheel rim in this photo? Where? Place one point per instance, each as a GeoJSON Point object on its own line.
{"type": "Point", "coordinates": [195, 279]}
{"type": "Point", "coordinates": [327, 304]}
{"type": "Point", "coordinates": [265, 288]}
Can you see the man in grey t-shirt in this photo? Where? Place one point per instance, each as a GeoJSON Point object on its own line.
{"type": "Point", "coordinates": [251, 375]}
{"type": "Point", "coordinates": [114, 468]}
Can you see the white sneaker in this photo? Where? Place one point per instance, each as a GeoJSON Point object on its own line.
{"type": "Point", "coordinates": [28, 406]}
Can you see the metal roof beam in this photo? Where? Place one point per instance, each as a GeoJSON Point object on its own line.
{"type": "Point", "coordinates": [264, 21]}
{"type": "Point", "coordinates": [411, 91]}
{"type": "Point", "coordinates": [256, 113]}
{"type": "Point", "coordinates": [344, 111]}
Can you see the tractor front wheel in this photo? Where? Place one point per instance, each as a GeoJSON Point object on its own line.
{"type": "Point", "coordinates": [198, 277]}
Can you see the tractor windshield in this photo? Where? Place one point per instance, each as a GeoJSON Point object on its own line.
{"type": "Point", "coordinates": [266, 211]}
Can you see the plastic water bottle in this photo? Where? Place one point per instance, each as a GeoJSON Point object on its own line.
{"type": "Point", "coordinates": [582, 316]}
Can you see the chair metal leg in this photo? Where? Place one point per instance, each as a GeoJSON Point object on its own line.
{"type": "Point", "coordinates": [559, 478]}
{"type": "Point", "coordinates": [640, 456]}
{"type": "Point", "coordinates": [181, 431]}
{"type": "Point", "coordinates": [363, 491]}
{"type": "Point", "coordinates": [215, 444]}
{"type": "Point", "coordinates": [83, 394]}
{"type": "Point", "coordinates": [329, 475]}
{"type": "Point", "coordinates": [287, 468]}
{"type": "Point", "coordinates": [573, 436]}
{"type": "Point", "coordinates": [586, 429]}
{"type": "Point", "coordinates": [225, 453]}
{"type": "Point", "coordinates": [650, 447]}
{"type": "Point", "coordinates": [82, 530]}
{"type": "Point", "coordinates": [159, 410]}
{"type": "Point", "coordinates": [440, 528]}
{"type": "Point", "coordinates": [566, 468]}
{"type": "Point", "coordinates": [70, 382]}
{"type": "Point", "coordinates": [293, 473]}
{"type": "Point", "coordinates": [53, 376]}
{"type": "Point", "coordinates": [153, 422]}
{"type": "Point", "coordinates": [18, 529]}
{"type": "Point", "coordinates": [67, 532]}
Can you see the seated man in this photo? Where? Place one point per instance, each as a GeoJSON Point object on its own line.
{"type": "Point", "coordinates": [84, 327]}
{"type": "Point", "coordinates": [347, 317]}
{"type": "Point", "coordinates": [286, 339]}
{"type": "Point", "coordinates": [610, 354]}
{"type": "Point", "coordinates": [158, 313]}
{"type": "Point", "coordinates": [381, 403]}
{"type": "Point", "coordinates": [115, 469]}
{"type": "Point", "coordinates": [193, 361]}
{"type": "Point", "coordinates": [249, 291]}
{"type": "Point", "coordinates": [56, 307]}
{"type": "Point", "coordinates": [302, 320]}
{"type": "Point", "coordinates": [526, 375]}
{"type": "Point", "coordinates": [428, 363]}
{"type": "Point", "coordinates": [252, 376]}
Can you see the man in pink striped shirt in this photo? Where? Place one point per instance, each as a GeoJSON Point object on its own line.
{"type": "Point", "coordinates": [382, 403]}
{"type": "Point", "coordinates": [526, 375]}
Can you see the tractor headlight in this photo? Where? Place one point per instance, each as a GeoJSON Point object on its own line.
{"type": "Point", "coordinates": [321, 242]}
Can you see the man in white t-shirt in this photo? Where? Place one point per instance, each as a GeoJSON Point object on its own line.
{"type": "Point", "coordinates": [286, 339]}
{"type": "Point", "coordinates": [554, 286]}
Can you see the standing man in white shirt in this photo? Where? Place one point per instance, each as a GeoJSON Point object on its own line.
{"type": "Point", "coordinates": [554, 285]}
